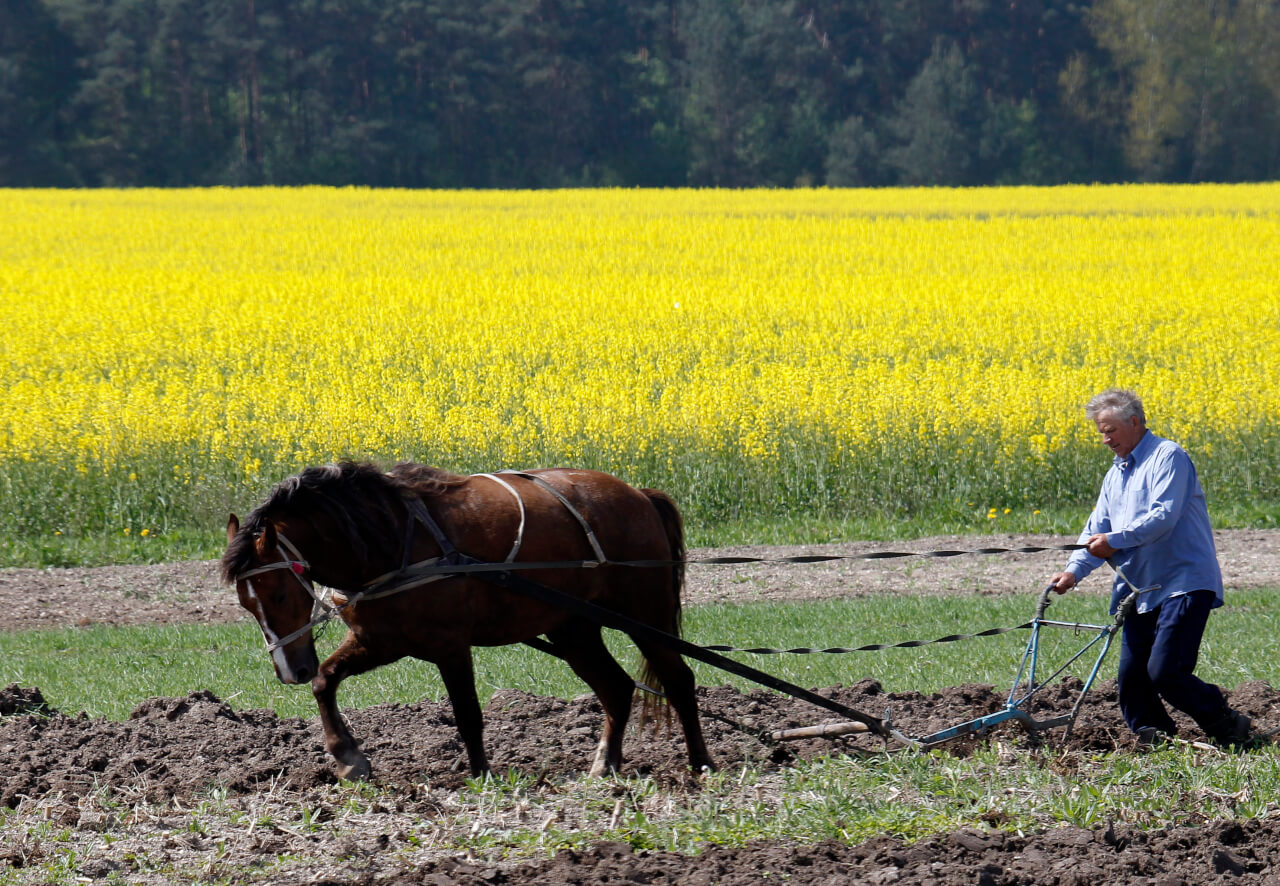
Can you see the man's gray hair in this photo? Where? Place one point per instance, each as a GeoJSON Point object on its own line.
{"type": "Point", "coordinates": [1121, 403]}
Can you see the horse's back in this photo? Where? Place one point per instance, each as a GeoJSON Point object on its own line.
{"type": "Point", "coordinates": [629, 523]}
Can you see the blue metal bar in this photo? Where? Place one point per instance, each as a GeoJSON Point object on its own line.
{"type": "Point", "coordinates": [1014, 705]}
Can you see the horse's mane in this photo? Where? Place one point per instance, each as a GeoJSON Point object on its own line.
{"type": "Point", "coordinates": [360, 498]}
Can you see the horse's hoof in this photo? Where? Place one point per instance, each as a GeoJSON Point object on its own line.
{"type": "Point", "coordinates": [600, 768]}
{"type": "Point", "coordinates": [357, 770]}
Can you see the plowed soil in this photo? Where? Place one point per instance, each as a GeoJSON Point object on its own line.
{"type": "Point", "coordinates": [141, 779]}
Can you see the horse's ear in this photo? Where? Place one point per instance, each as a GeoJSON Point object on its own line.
{"type": "Point", "coordinates": [233, 526]}
{"type": "Point", "coordinates": [267, 541]}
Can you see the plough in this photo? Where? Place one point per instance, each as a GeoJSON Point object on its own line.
{"type": "Point", "coordinates": [1026, 684]}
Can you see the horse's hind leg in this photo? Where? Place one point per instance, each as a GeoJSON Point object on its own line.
{"type": "Point", "coordinates": [678, 683]}
{"type": "Point", "coordinates": [349, 659]}
{"type": "Point", "coordinates": [460, 682]}
{"type": "Point", "coordinates": [579, 643]}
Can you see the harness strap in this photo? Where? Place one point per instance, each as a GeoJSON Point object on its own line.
{"type": "Point", "coordinates": [374, 587]}
{"type": "Point", "coordinates": [601, 559]}
{"type": "Point", "coordinates": [407, 546]}
{"type": "Point", "coordinates": [272, 567]}
{"type": "Point", "coordinates": [423, 516]}
{"type": "Point", "coordinates": [290, 548]}
{"type": "Point", "coordinates": [515, 547]}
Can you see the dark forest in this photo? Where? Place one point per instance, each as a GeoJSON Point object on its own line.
{"type": "Point", "coordinates": [653, 93]}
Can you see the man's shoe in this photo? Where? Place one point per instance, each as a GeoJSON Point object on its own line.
{"type": "Point", "coordinates": [1150, 738]}
{"type": "Point", "coordinates": [1234, 728]}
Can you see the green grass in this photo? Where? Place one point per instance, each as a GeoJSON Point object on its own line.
{"type": "Point", "coordinates": [57, 513]}
{"type": "Point", "coordinates": [915, 795]}
{"type": "Point", "coordinates": [109, 548]}
{"type": "Point", "coordinates": [106, 671]}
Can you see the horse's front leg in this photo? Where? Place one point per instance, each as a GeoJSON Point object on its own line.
{"type": "Point", "coordinates": [349, 659]}
{"type": "Point", "coordinates": [460, 683]}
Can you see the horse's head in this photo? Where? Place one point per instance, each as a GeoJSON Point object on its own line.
{"type": "Point", "coordinates": [273, 583]}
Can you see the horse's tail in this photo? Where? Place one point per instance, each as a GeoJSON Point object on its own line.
{"type": "Point", "coordinates": [673, 526]}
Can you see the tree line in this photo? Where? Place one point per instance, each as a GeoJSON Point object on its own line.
{"type": "Point", "coordinates": [556, 93]}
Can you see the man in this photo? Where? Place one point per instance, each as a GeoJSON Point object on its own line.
{"type": "Point", "coordinates": [1151, 521]}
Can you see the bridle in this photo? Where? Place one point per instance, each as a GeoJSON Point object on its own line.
{"type": "Point", "coordinates": [326, 606]}
{"type": "Point", "coordinates": [291, 559]}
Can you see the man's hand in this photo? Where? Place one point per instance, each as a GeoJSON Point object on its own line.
{"type": "Point", "coordinates": [1062, 581]}
{"type": "Point", "coordinates": [1099, 546]}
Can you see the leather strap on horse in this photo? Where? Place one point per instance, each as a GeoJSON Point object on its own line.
{"type": "Point", "coordinates": [519, 540]}
{"type": "Point", "coordinates": [423, 516]}
{"type": "Point", "coordinates": [451, 563]}
{"type": "Point", "coordinates": [586, 527]}
{"type": "Point", "coordinates": [637, 629]}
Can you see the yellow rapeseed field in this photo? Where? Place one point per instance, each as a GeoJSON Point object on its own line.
{"type": "Point", "coordinates": [798, 346]}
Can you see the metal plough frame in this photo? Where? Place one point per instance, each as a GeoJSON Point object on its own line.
{"type": "Point", "coordinates": [1017, 704]}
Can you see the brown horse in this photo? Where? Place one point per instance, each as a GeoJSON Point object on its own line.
{"type": "Point", "coordinates": [361, 531]}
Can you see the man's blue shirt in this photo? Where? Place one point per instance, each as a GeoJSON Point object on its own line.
{"type": "Point", "coordinates": [1153, 511]}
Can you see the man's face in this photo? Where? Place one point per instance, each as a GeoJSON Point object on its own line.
{"type": "Point", "coordinates": [1120, 435]}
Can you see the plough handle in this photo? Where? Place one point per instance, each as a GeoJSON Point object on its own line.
{"type": "Point", "coordinates": [1045, 600]}
{"type": "Point", "coordinates": [1126, 606]}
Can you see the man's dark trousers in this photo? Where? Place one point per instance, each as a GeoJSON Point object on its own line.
{"type": "Point", "coordinates": [1158, 653]}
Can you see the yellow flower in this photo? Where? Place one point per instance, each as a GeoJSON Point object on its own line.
{"type": "Point", "coordinates": [796, 333]}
